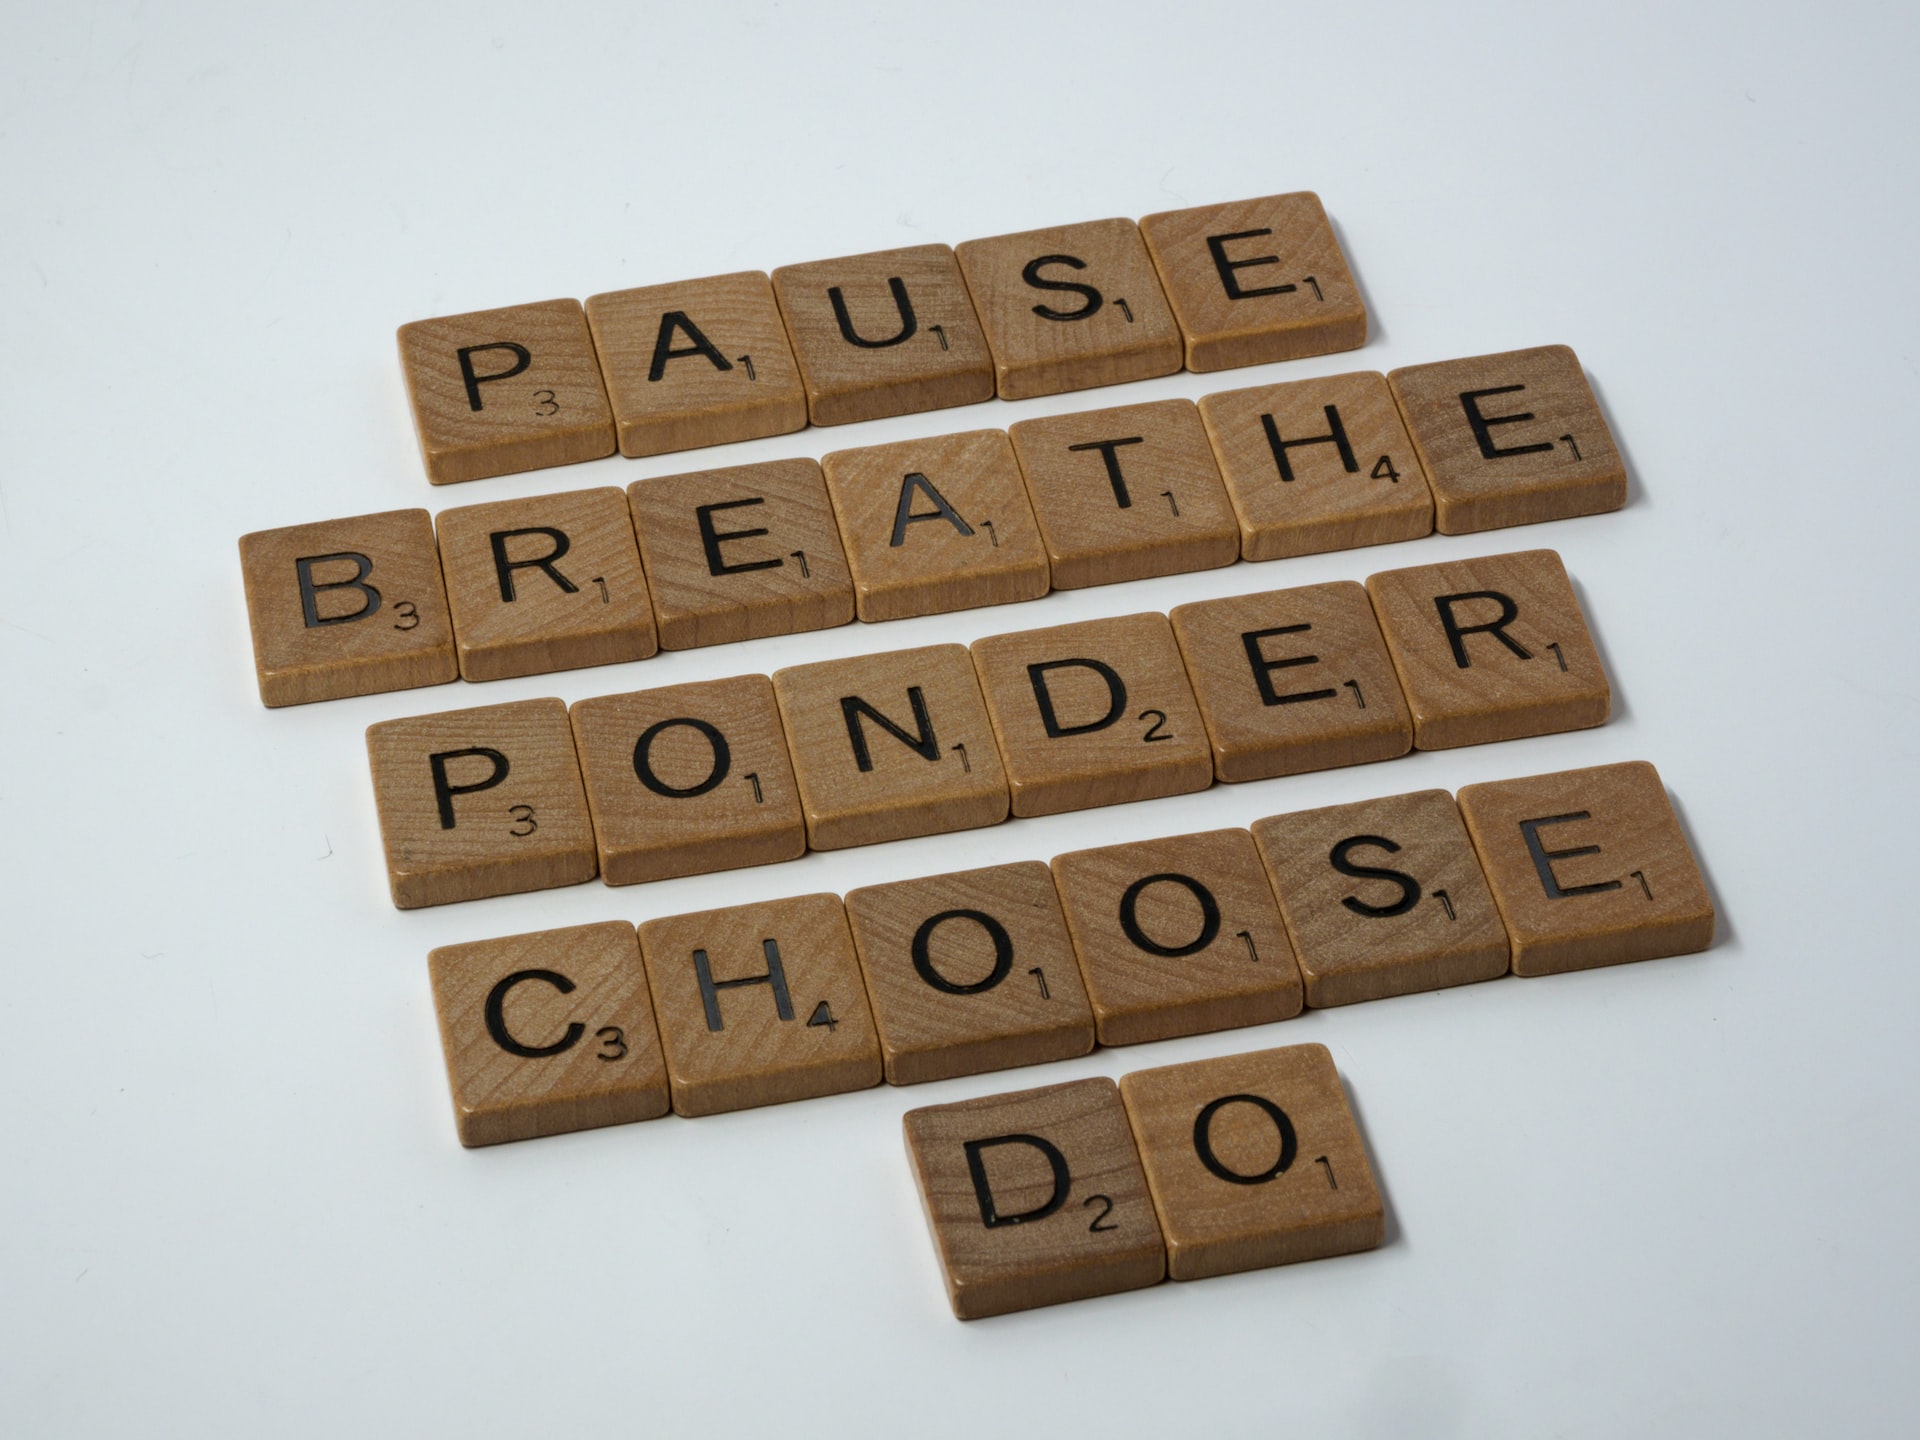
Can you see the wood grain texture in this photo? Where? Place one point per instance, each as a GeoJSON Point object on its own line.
{"type": "Point", "coordinates": [906, 339]}
{"type": "Point", "coordinates": [1059, 1209]}
{"type": "Point", "coordinates": [958, 510]}
{"type": "Point", "coordinates": [552, 582]}
{"type": "Point", "coordinates": [1097, 713]}
{"type": "Point", "coordinates": [576, 1046]}
{"type": "Point", "coordinates": [1540, 449]}
{"type": "Point", "coordinates": [1382, 897]}
{"type": "Point", "coordinates": [970, 972]}
{"type": "Point", "coordinates": [496, 392]}
{"type": "Point", "coordinates": [1279, 289]}
{"type": "Point", "coordinates": [1316, 465]}
{"type": "Point", "coordinates": [1493, 648]}
{"type": "Point", "coordinates": [1589, 867]}
{"type": "Point", "coordinates": [502, 811]}
{"type": "Point", "coordinates": [741, 553]}
{"type": "Point", "coordinates": [1253, 1160]}
{"type": "Point", "coordinates": [697, 362]}
{"type": "Point", "coordinates": [1215, 952]}
{"type": "Point", "coordinates": [1070, 307]}
{"type": "Point", "coordinates": [1126, 493]}
{"type": "Point", "coordinates": [347, 607]}
{"type": "Point", "coordinates": [687, 779]}
{"type": "Point", "coordinates": [1322, 692]}
{"type": "Point", "coordinates": [782, 1014]}
{"type": "Point", "coordinates": [891, 745]}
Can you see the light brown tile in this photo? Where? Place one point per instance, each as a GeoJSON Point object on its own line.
{"type": "Point", "coordinates": [1034, 1198]}
{"type": "Point", "coordinates": [970, 972]}
{"type": "Point", "coordinates": [687, 779]}
{"type": "Point", "coordinates": [1315, 465]}
{"type": "Point", "coordinates": [1292, 680]}
{"type": "Point", "coordinates": [1589, 867]}
{"type": "Point", "coordinates": [480, 802]}
{"type": "Point", "coordinates": [496, 392]}
{"type": "Point", "coordinates": [1177, 936]}
{"type": "Point", "coordinates": [1511, 439]}
{"type": "Point", "coordinates": [552, 582]}
{"type": "Point", "coordinates": [547, 1032]}
{"type": "Point", "coordinates": [347, 607]}
{"type": "Point", "coordinates": [1256, 280]}
{"type": "Point", "coordinates": [891, 745]}
{"type": "Point", "coordinates": [936, 525]}
{"type": "Point", "coordinates": [891, 333]}
{"type": "Point", "coordinates": [697, 362]}
{"type": "Point", "coordinates": [1125, 493]}
{"type": "Point", "coordinates": [1070, 307]}
{"type": "Point", "coordinates": [741, 553]}
{"type": "Point", "coordinates": [1096, 713]}
{"type": "Point", "coordinates": [1492, 648]}
{"type": "Point", "coordinates": [1253, 1160]}
{"type": "Point", "coordinates": [1382, 897]}
{"type": "Point", "coordinates": [760, 1004]}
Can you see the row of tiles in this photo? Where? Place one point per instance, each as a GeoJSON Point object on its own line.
{"type": "Point", "coordinates": [1184, 1171]}
{"type": "Point", "coordinates": [741, 356]}
{"type": "Point", "coordinates": [556, 582]}
{"type": "Point", "coordinates": [1022, 963]}
{"type": "Point", "coordinates": [749, 770]}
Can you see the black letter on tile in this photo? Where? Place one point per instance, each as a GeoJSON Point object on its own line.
{"type": "Point", "coordinates": [1116, 696]}
{"type": "Point", "coordinates": [996, 932]}
{"type": "Point", "coordinates": [1457, 633]}
{"type": "Point", "coordinates": [1483, 424]}
{"type": "Point", "coordinates": [497, 1020]}
{"type": "Point", "coordinates": [521, 359]}
{"type": "Point", "coordinates": [990, 1216]}
{"type": "Point", "coordinates": [908, 324]}
{"type": "Point", "coordinates": [1203, 1139]}
{"type": "Point", "coordinates": [710, 988]}
{"type": "Point", "coordinates": [643, 761]}
{"type": "Point", "coordinates": [1046, 312]}
{"type": "Point", "coordinates": [310, 591]}
{"type": "Point", "coordinates": [504, 568]}
{"type": "Point", "coordinates": [1218, 245]}
{"type": "Point", "coordinates": [1336, 436]}
{"type": "Point", "coordinates": [1263, 668]}
{"type": "Point", "coordinates": [923, 742]}
{"type": "Point", "coordinates": [710, 538]}
{"type": "Point", "coordinates": [1114, 477]}
{"type": "Point", "coordinates": [1543, 858]}
{"type": "Point", "coordinates": [1209, 915]}
{"type": "Point", "coordinates": [1341, 858]}
{"type": "Point", "coordinates": [444, 791]}
{"type": "Point", "coordinates": [663, 350]}
{"type": "Point", "coordinates": [904, 515]}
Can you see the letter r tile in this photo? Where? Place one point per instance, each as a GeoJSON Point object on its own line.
{"type": "Point", "coordinates": [1035, 1198]}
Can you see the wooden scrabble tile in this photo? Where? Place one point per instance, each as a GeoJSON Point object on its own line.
{"type": "Point", "coordinates": [1035, 1198]}
{"type": "Point", "coordinates": [1315, 465]}
{"type": "Point", "coordinates": [347, 607]}
{"type": "Point", "coordinates": [1256, 280]}
{"type": "Point", "coordinates": [1097, 713]}
{"type": "Point", "coordinates": [891, 745]}
{"type": "Point", "coordinates": [687, 779]}
{"type": "Point", "coordinates": [480, 802]}
{"type": "Point", "coordinates": [697, 362]}
{"type": "Point", "coordinates": [496, 392]}
{"type": "Point", "coordinates": [741, 553]}
{"type": "Point", "coordinates": [892, 333]}
{"type": "Point", "coordinates": [1177, 936]}
{"type": "Point", "coordinates": [548, 1032]}
{"type": "Point", "coordinates": [1589, 868]}
{"type": "Point", "coordinates": [1492, 648]}
{"type": "Point", "coordinates": [1253, 1160]}
{"type": "Point", "coordinates": [970, 972]}
{"type": "Point", "coordinates": [552, 582]}
{"type": "Point", "coordinates": [760, 1004]}
{"type": "Point", "coordinates": [1070, 307]}
{"type": "Point", "coordinates": [936, 525]}
{"type": "Point", "coordinates": [1292, 680]}
{"type": "Point", "coordinates": [1510, 439]}
{"type": "Point", "coordinates": [1383, 897]}
{"type": "Point", "coordinates": [1125, 493]}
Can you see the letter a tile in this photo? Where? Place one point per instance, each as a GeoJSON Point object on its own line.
{"type": "Point", "coordinates": [548, 1032]}
{"type": "Point", "coordinates": [1253, 1160]}
{"type": "Point", "coordinates": [480, 802]}
{"type": "Point", "coordinates": [347, 607]}
{"type": "Point", "coordinates": [760, 1004]}
{"type": "Point", "coordinates": [1035, 1198]}
{"type": "Point", "coordinates": [1493, 648]}
{"type": "Point", "coordinates": [1589, 867]}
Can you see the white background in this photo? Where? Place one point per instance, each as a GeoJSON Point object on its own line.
{"type": "Point", "coordinates": [1673, 1198]}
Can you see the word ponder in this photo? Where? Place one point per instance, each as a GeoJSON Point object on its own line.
{"type": "Point", "coordinates": [521, 587]}
{"type": "Point", "coordinates": [690, 778]}
{"type": "Point", "coordinates": [1018, 964]}
{"type": "Point", "coordinates": [1188, 1171]}
{"type": "Point", "coordinates": [741, 356]}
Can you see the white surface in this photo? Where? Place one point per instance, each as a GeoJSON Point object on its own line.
{"type": "Point", "coordinates": [1674, 1198]}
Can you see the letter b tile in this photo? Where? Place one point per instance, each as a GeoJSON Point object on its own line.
{"type": "Point", "coordinates": [1035, 1198]}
